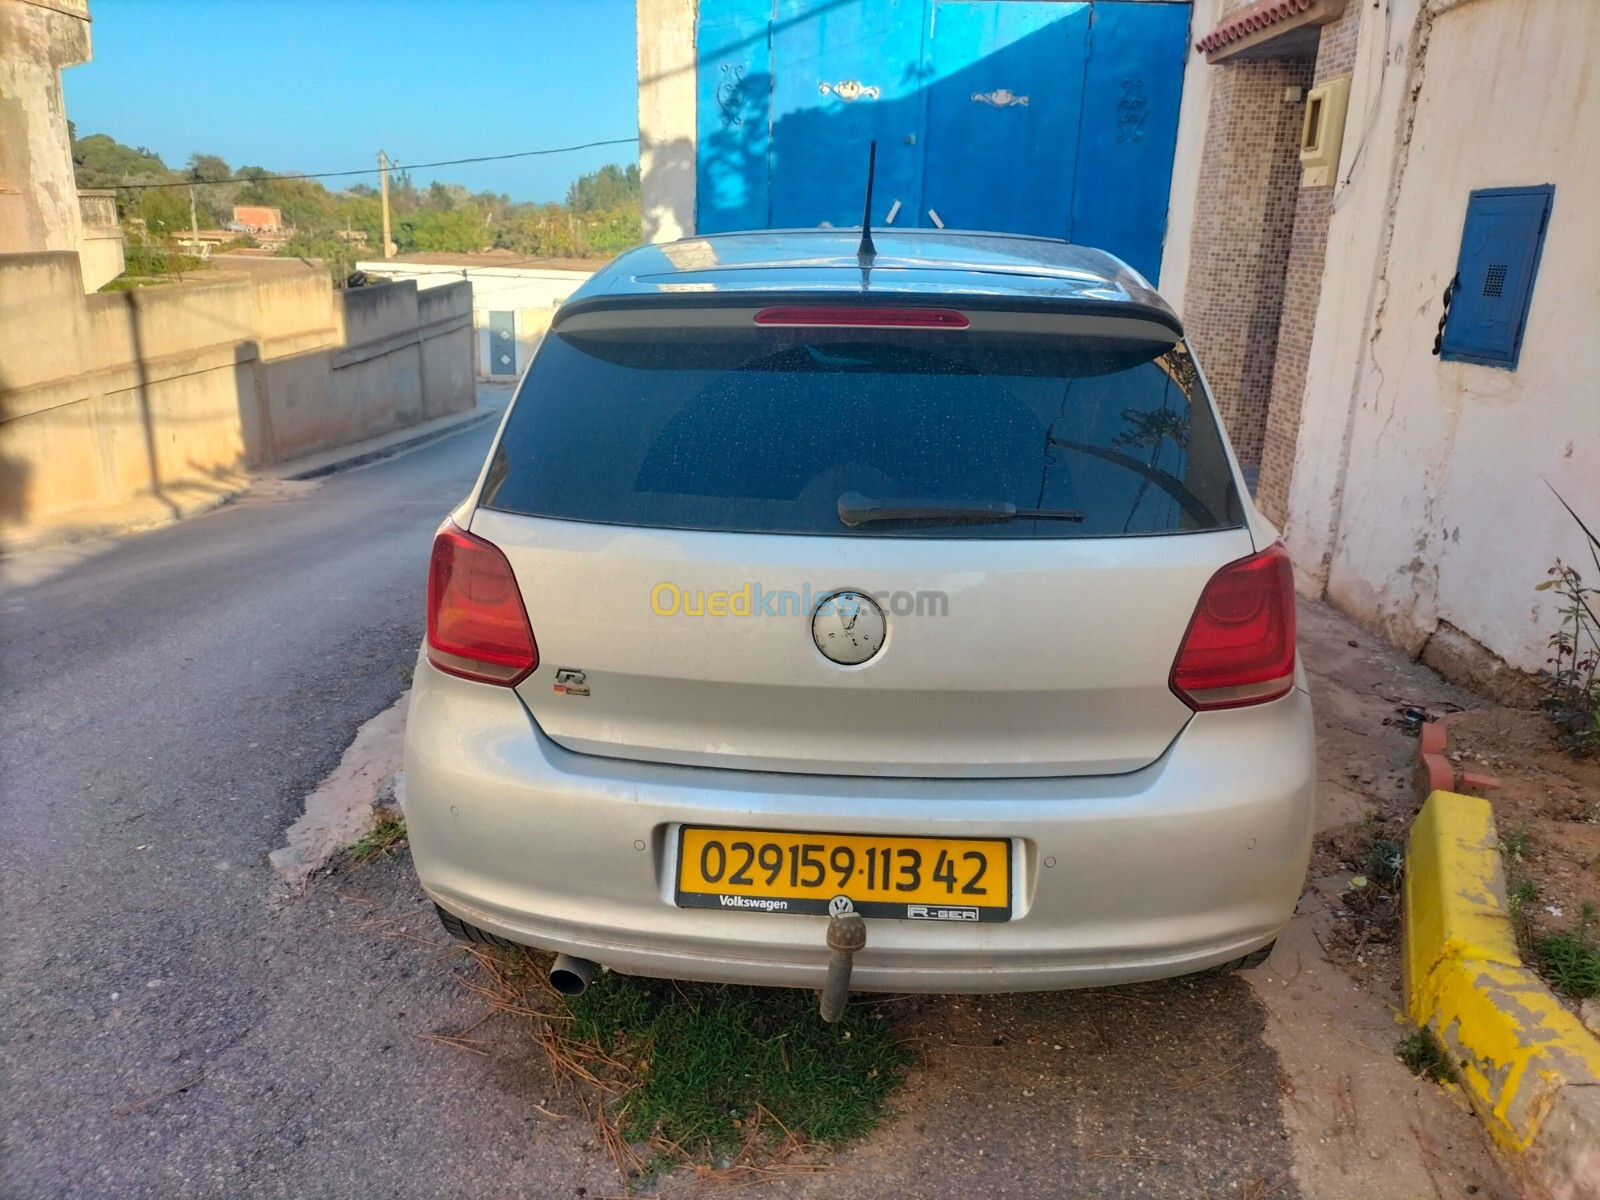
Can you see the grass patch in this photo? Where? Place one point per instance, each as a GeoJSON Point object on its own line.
{"type": "Point", "coordinates": [1572, 960]}
{"type": "Point", "coordinates": [742, 1084]}
{"type": "Point", "coordinates": [1424, 1056]}
{"type": "Point", "coordinates": [711, 1063]}
{"type": "Point", "coordinates": [385, 836]}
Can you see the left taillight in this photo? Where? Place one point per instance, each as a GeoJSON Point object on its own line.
{"type": "Point", "coordinates": [477, 626]}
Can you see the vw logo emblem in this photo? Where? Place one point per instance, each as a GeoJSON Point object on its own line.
{"type": "Point", "coordinates": [848, 627]}
{"type": "Point", "coordinates": [840, 905]}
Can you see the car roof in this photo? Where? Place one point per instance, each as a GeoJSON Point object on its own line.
{"type": "Point", "coordinates": [953, 267]}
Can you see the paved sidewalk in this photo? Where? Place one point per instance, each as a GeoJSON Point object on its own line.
{"type": "Point", "coordinates": [174, 503]}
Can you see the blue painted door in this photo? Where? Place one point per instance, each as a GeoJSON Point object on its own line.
{"type": "Point", "coordinates": [1133, 79]}
{"type": "Point", "coordinates": [733, 126]}
{"type": "Point", "coordinates": [847, 74]}
{"type": "Point", "coordinates": [1003, 103]}
{"type": "Point", "coordinates": [1052, 117]}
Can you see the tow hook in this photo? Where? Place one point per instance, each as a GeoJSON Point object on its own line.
{"type": "Point", "coordinates": [847, 933]}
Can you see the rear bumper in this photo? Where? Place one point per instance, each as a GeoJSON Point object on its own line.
{"type": "Point", "coordinates": [1189, 863]}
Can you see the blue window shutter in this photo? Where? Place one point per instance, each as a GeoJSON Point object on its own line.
{"type": "Point", "coordinates": [1500, 245]}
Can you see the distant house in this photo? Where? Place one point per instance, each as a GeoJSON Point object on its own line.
{"type": "Point", "coordinates": [513, 297]}
{"type": "Point", "coordinates": [256, 219]}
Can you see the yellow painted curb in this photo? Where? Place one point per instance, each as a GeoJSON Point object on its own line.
{"type": "Point", "coordinates": [1520, 1056]}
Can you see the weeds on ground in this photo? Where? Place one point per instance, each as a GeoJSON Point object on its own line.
{"type": "Point", "coordinates": [1521, 891]}
{"type": "Point", "coordinates": [1372, 900]}
{"type": "Point", "coordinates": [737, 1082]}
{"type": "Point", "coordinates": [1423, 1055]}
{"type": "Point", "coordinates": [1572, 960]}
{"type": "Point", "coordinates": [1383, 862]}
{"type": "Point", "coordinates": [1574, 701]}
{"type": "Point", "coordinates": [384, 838]}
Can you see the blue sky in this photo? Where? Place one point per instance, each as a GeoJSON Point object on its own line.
{"type": "Point", "coordinates": [323, 85]}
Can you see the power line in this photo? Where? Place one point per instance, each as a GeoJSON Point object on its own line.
{"type": "Point", "coordinates": [447, 162]}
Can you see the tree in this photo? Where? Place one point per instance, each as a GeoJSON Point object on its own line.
{"type": "Point", "coordinates": [609, 187]}
{"type": "Point", "coordinates": [461, 231]}
{"type": "Point", "coordinates": [101, 162]}
{"type": "Point", "coordinates": [163, 210]}
{"type": "Point", "coordinates": [208, 168]}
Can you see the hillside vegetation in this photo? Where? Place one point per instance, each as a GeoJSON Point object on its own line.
{"type": "Point", "coordinates": [599, 218]}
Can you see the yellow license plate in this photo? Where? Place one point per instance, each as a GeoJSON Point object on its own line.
{"type": "Point", "coordinates": [906, 878]}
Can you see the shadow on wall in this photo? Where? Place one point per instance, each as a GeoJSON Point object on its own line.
{"type": "Point", "coordinates": [147, 424]}
{"type": "Point", "coordinates": [16, 473]}
{"type": "Point", "coordinates": [672, 173]}
{"type": "Point", "coordinates": [170, 394]}
{"type": "Point", "coordinates": [1038, 135]}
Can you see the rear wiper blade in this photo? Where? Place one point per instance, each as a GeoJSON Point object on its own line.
{"type": "Point", "coordinates": [856, 509]}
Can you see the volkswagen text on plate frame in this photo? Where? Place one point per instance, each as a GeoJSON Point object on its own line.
{"type": "Point", "coordinates": [1083, 756]}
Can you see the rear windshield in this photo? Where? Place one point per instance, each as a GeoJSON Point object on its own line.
{"type": "Point", "coordinates": [865, 433]}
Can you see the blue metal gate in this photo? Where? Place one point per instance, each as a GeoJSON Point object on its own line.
{"type": "Point", "coordinates": [1024, 116]}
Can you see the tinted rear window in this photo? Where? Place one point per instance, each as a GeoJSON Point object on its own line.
{"type": "Point", "coordinates": [763, 430]}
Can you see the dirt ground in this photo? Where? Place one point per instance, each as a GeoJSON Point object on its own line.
{"type": "Point", "coordinates": [1360, 1123]}
{"type": "Point", "coordinates": [1280, 1082]}
{"type": "Point", "coordinates": [1545, 792]}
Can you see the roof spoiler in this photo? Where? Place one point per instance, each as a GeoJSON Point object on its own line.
{"type": "Point", "coordinates": [1117, 319]}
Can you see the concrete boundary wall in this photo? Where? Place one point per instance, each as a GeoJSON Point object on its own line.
{"type": "Point", "coordinates": [116, 397]}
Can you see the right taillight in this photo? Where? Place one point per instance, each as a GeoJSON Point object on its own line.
{"type": "Point", "coordinates": [477, 627]}
{"type": "Point", "coordinates": [1240, 645]}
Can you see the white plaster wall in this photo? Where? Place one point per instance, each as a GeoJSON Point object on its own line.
{"type": "Point", "coordinates": [1192, 109]}
{"type": "Point", "coordinates": [1358, 240]}
{"type": "Point", "coordinates": [667, 116]}
{"type": "Point", "coordinates": [493, 288]}
{"type": "Point", "coordinates": [530, 293]}
{"type": "Point", "coordinates": [1431, 476]}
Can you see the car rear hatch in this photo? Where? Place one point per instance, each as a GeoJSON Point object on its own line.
{"type": "Point", "coordinates": [1033, 502]}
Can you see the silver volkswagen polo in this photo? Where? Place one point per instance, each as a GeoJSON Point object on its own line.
{"type": "Point", "coordinates": [916, 588]}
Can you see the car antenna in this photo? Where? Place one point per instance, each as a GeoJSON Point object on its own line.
{"type": "Point", "coordinates": [866, 252]}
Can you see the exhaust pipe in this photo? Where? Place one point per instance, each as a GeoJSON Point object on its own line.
{"type": "Point", "coordinates": [571, 976]}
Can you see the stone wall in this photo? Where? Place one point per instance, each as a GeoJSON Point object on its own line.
{"type": "Point", "coordinates": [118, 396]}
{"type": "Point", "coordinates": [1302, 290]}
{"type": "Point", "coordinates": [1240, 237]}
{"type": "Point", "coordinates": [38, 192]}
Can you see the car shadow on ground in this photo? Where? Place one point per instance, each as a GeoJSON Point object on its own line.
{"type": "Point", "coordinates": [1163, 1089]}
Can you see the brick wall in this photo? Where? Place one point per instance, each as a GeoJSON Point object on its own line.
{"type": "Point", "coordinates": [1336, 53]}
{"type": "Point", "coordinates": [1244, 220]}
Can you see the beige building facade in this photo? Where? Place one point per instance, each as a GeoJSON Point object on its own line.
{"type": "Point", "coordinates": [40, 206]}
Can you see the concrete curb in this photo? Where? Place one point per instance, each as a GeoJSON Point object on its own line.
{"type": "Point", "coordinates": [359, 454]}
{"type": "Point", "coordinates": [134, 517]}
{"type": "Point", "coordinates": [137, 516]}
{"type": "Point", "coordinates": [1529, 1067]}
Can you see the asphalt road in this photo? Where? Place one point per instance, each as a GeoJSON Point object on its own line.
{"type": "Point", "coordinates": [170, 1028]}
{"type": "Point", "coordinates": [168, 699]}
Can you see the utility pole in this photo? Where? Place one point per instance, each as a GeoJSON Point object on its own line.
{"type": "Point", "coordinates": [383, 185]}
{"type": "Point", "coordinates": [194, 224]}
